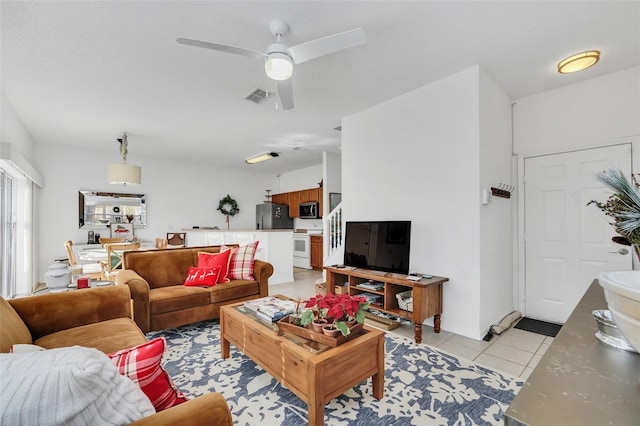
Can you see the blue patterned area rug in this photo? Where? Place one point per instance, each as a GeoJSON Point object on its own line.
{"type": "Point", "coordinates": [422, 386]}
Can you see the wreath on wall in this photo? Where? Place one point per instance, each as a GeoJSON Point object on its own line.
{"type": "Point", "coordinates": [228, 207]}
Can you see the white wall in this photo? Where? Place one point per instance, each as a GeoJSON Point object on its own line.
{"type": "Point", "coordinates": [296, 180]}
{"type": "Point", "coordinates": [306, 178]}
{"type": "Point", "coordinates": [417, 157]}
{"type": "Point", "coordinates": [496, 229]}
{"type": "Point", "coordinates": [179, 196]}
{"type": "Point", "coordinates": [579, 115]}
{"type": "Point", "coordinates": [20, 144]}
{"type": "Point", "coordinates": [332, 177]}
{"type": "Point", "coordinates": [12, 130]}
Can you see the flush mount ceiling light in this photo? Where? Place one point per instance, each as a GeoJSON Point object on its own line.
{"type": "Point", "coordinates": [124, 174]}
{"type": "Point", "coordinates": [578, 62]}
{"type": "Point", "coordinates": [261, 157]}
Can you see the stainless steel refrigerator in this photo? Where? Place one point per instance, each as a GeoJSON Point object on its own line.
{"type": "Point", "coordinates": [273, 216]}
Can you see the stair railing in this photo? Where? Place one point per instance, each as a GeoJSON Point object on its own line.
{"type": "Point", "coordinates": [333, 227]}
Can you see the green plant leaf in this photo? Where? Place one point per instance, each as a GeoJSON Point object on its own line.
{"type": "Point", "coordinates": [307, 317]}
{"type": "Point", "coordinates": [342, 326]}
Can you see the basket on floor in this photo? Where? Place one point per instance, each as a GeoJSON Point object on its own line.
{"type": "Point", "coordinates": [405, 300]}
{"type": "Point", "coordinates": [321, 287]}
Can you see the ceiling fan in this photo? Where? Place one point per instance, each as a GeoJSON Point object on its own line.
{"type": "Point", "coordinates": [279, 58]}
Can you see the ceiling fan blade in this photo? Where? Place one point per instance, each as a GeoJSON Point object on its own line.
{"type": "Point", "coordinates": [222, 48]}
{"type": "Point", "coordinates": [323, 46]}
{"type": "Point", "coordinates": [285, 91]}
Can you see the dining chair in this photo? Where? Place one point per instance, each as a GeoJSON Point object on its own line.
{"type": "Point", "coordinates": [161, 243]}
{"type": "Point", "coordinates": [115, 257]}
{"type": "Point", "coordinates": [68, 246]}
{"type": "Point", "coordinates": [176, 239]}
{"type": "Point", "coordinates": [109, 240]}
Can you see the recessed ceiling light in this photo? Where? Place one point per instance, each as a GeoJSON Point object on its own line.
{"type": "Point", "coordinates": [578, 62]}
{"type": "Point", "coordinates": [261, 157]}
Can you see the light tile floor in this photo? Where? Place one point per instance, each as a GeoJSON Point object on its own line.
{"type": "Point", "coordinates": [515, 352]}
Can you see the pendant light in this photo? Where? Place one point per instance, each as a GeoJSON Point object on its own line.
{"type": "Point", "coordinates": [124, 174]}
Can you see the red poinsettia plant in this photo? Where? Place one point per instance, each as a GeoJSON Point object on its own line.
{"type": "Point", "coordinates": [337, 308]}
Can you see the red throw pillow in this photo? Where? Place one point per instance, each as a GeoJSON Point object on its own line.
{"type": "Point", "coordinates": [141, 364]}
{"type": "Point", "coordinates": [212, 260]}
{"type": "Point", "coordinates": [207, 277]}
{"type": "Point", "coordinates": [241, 262]}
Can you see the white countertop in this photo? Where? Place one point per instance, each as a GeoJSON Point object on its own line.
{"type": "Point", "coordinates": [237, 230]}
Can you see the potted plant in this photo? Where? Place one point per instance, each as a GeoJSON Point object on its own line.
{"type": "Point", "coordinates": [336, 309]}
{"type": "Point", "coordinates": [623, 206]}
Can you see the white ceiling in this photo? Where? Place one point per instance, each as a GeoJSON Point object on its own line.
{"type": "Point", "coordinates": [80, 73]}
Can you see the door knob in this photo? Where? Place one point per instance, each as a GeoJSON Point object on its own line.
{"type": "Point", "coordinates": [622, 251]}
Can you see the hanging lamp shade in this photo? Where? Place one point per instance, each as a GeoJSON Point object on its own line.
{"type": "Point", "coordinates": [124, 174]}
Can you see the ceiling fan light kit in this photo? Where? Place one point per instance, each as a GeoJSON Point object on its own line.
{"type": "Point", "coordinates": [279, 58]}
{"type": "Point", "coordinates": [123, 173]}
{"type": "Point", "coordinates": [278, 66]}
{"type": "Point", "coordinates": [261, 157]}
{"type": "Point", "coordinates": [578, 62]}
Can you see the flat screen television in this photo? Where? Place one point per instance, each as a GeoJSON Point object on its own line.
{"type": "Point", "coordinates": [381, 246]}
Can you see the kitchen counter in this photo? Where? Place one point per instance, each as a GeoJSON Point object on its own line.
{"type": "Point", "coordinates": [579, 380]}
{"type": "Point", "coordinates": [237, 230]}
{"type": "Point", "coordinates": [275, 246]}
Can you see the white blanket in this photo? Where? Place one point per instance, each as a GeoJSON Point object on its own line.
{"type": "Point", "coordinates": [67, 386]}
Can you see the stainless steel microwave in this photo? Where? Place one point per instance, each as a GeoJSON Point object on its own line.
{"type": "Point", "coordinates": [308, 211]}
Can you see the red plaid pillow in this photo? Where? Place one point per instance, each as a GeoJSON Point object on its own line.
{"type": "Point", "coordinates": [207, 277]}
{"type": "Point", "coordinates": [241, 262]}
{"type": "Point", "coordinates": [216, 260]}
{"type": "Point", "coordinates": [141, 364]}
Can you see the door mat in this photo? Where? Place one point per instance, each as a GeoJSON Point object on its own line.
{"type": "Point", "coordinates": [540, 327]}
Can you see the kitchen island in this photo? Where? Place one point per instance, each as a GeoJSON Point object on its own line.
{"type": "Point", "coordinates": [580, 380]}
{"type": "Point", "coordinates": [275, 246]}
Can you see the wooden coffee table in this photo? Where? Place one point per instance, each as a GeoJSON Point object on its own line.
{"type": "Point", "coordinates": [316, 373]}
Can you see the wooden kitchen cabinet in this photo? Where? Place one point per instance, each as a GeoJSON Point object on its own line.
{"type": "Point", "coordinates": [280, 198]}
{"type": "Point", "coordinates": [317, 256]}
{"type": "Point", "coordinates": [294, 198]}
{"type": "Point", "coordinates": [305, 196]}
{"type": "Point", "coordinates": [294, 204]}
{"type": "Point", "coordinates": [314, 194]}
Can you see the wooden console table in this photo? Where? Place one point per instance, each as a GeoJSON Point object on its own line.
{"type": "Point", "coordinates": [427, 293]}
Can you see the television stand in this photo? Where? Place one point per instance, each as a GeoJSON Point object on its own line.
{"type": "Point", "coordinates": [426, 293]}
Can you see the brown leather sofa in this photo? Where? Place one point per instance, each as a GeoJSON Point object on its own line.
{"type": "Point", "coordinates": [162, 301]}
{"type": "Point", "coordinates": [98, 318]}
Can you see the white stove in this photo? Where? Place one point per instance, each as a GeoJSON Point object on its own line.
{"type": "Point", "coordinates": [301, 250]}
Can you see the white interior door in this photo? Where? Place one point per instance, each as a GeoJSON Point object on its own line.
{"type": "Point", "coordinates": [567, 243]}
